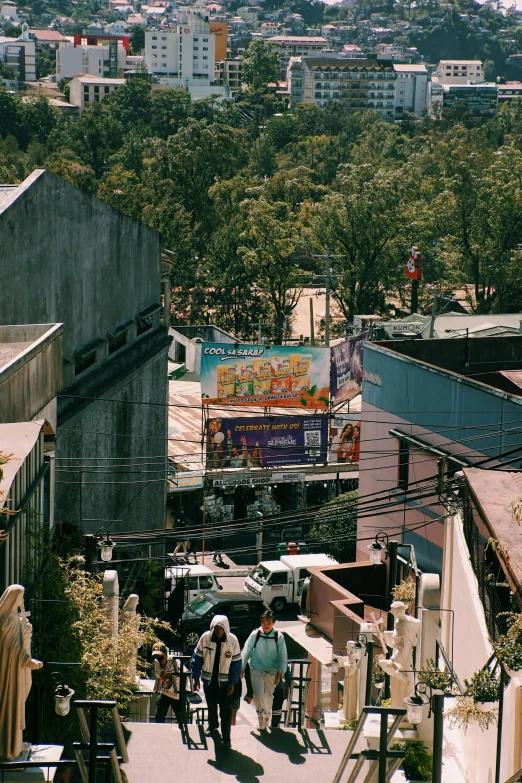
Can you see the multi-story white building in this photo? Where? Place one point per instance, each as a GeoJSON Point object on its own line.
{"type": "Point", "coordinates": [72, 60]}
{"type": "Point", "coordinates": [411, 89]}
{"type": "Point", "coordinates": [459, 72]}
{"type": "Point", "coordinates": [287, 46]}
{"type": "Point", "coordinates": [91, 89]}
{"type": "Point", "coordinates": [358, 85]}
{"type": "Point", "coordinates": [19, 54]}
{"type": "Point", "coordinates": [183, 55]}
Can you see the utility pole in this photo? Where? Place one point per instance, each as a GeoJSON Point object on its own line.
{"type": "Point", "coordinates": [328, 257]}
{"type": "Point", "coordinates": [259, 326]}
{"type": "Point", "coordinates": [312, 336]}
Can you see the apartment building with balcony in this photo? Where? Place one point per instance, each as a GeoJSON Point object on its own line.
{"type": "Point", "coordinates": [228, 73]}
{"type": "Point", "coordinates": [358, 85]}
{"type": "Point", "coordinates": [19, 54]}
{"type": "Point", "coordinates": [411, 89]}
{"type": "Point", "coordinates": [287, 46]}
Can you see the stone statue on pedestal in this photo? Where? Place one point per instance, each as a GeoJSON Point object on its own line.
{"type": "Point", "coordinates": [402, 640]}
{"type": "Point", "coordinates": [350, 664]}
{"type": "Point", "coordinates": [131, 617]}
{"type": "Point", "coordinates": [15, 669]}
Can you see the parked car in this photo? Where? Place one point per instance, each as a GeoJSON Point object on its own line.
{"type": "Point", "coordinates": [243, 614]}
{"type": "Point", "coordinates": [200, 580]}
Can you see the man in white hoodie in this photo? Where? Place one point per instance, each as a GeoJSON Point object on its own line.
{"type": "Point", "coordinates": [217, 661]}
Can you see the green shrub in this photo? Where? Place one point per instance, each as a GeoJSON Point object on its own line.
{"type": "Point", "coordinates": [417, 762]}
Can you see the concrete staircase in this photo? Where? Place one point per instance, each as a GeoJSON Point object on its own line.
{"type": "Point", "coordinates": [157, 753]}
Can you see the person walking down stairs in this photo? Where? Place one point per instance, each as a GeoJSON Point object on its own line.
{"type": "Point", "coordinates": [265, 650]}
{"type": "Point", "coordinates": [217, 661]}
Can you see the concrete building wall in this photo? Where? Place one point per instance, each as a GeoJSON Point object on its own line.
{"type": "Point", "coordinates": [72, 60]}
{"type": "Point", "coordinates": [471, 650]}
{"type": "Point", "coordinates": [32, 382]}
{"type": "Point", "coordinates": [134, 435]}
{"type": "Point", "coordinates": [68, 257]}
{"type": "Point", "coordinates": [440, 407]}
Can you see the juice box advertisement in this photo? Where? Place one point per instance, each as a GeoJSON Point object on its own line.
{"type": "Point", "coordinates": [253, 375]}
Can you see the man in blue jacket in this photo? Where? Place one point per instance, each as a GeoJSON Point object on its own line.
{"type": "Point", "coordinates": [265, 650]}
{"type": "Point", "coordinates": [217, 661]}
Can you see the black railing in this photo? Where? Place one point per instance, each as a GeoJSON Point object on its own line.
{"type": "Point", "coordinates": [487, 569]}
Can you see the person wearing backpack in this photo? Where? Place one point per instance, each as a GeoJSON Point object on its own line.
{"type": "Point", "coordinates": [265, 650]}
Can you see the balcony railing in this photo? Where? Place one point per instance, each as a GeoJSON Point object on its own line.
{"type": "Point", "coordinates": [493, 591]}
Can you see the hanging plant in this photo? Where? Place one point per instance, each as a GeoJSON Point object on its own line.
{"type": "Point", "coordinates": [483, 686]}
{"type": "Point", "coordinates": [482, 690]}
{"type": "Point", "coordinates": [508, 647]}
{"type": "Point", "coordinates": [438, 679]}
{"type": "Point", "coordinates": [405, 591]}
{"type": "Point", "coordinates": [466, 710]}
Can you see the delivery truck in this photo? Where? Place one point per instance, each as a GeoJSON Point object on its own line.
{"type": "Point", "coordinates": [280, 582]}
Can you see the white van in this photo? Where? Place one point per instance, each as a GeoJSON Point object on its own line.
{"type": "Point", "coordinates": [280, 582]}
{"type": "Point", "coordinates": [201, 580]}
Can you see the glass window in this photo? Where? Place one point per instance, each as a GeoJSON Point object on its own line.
{"type": "Point", "coordinates": [154, 47]}
{"type": "Point", "coordinates": [106, 89]}
{"type": "Point", "coordinates": [201, 605]}
{"type": "Point", "coordinates": [404, 464]}
{"type": "Point", "coordinates": [205, 57]}
{"type": "Point", "coordinates": [154, 37]}
{"type": "Point", "coordinates": [206, 583]}
{"type": "Point", "coordinates": [82, 362]}
{"type": "Point", "coordinates": [193, 583]}
{"type": "Point", "coordinates": [96, 88]}
{"type": "Point", "coordinates": [163, 47]}
{"type": "Point", "coordinates": [279, 578]}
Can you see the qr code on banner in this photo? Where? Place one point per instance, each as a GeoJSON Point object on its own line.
{"type": "Point", "coordinates": [312, 438]}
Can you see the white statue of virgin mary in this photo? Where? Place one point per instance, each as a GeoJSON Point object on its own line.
{"type": "Point", "coordinates": [15, 669]}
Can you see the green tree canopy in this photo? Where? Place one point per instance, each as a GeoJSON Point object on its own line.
{"type": "Point", "coordinates": [335, 526]}
{"type": "Point", "coordinates": [260, 65]}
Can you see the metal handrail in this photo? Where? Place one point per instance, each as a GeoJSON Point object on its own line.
{"type": "Point", "coordinates": [389, 734]}
{"type": "Point", "coordinates": [515, 778]}
{"type": "Point", "coordinates": [440, 649]}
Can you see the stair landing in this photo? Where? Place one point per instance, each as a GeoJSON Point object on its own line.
{"type": "Point", "coordinates": [157, 753]}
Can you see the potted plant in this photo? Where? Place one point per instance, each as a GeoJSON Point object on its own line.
{"type": "Point", "coordinates": [417, 762]}
{"type": "Point", "coordinates": [478, 701]}
{"type": "Point", "coordinates": [509, 652]}
{"type": "Point", "coordinates": [508, 647]}
{"type": "Point", "coordinates": [438, 679]}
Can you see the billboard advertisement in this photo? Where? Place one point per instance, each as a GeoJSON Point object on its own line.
{"type": "Point", "coordinates": [347, 364]}
{"type": "Point", "coordinates": [345, 438]}
{"type": "Point", "coordinates": [260, 375]}
{"type": "Point", "coordinates": [265, 442]}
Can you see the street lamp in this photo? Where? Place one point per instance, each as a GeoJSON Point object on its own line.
{"type": "Point", "coordinates": [376, 548]}
{"type": "Point", "coordinates": [415, 702]}
{"type": "Point", "coordinates": [62, 695]}
{"type": "Point", "coordinates": [425, 694]}
{"type": "Point", "coordinates": [363, 643]}
{"type": "Point", "coordinates": [105, 544]}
